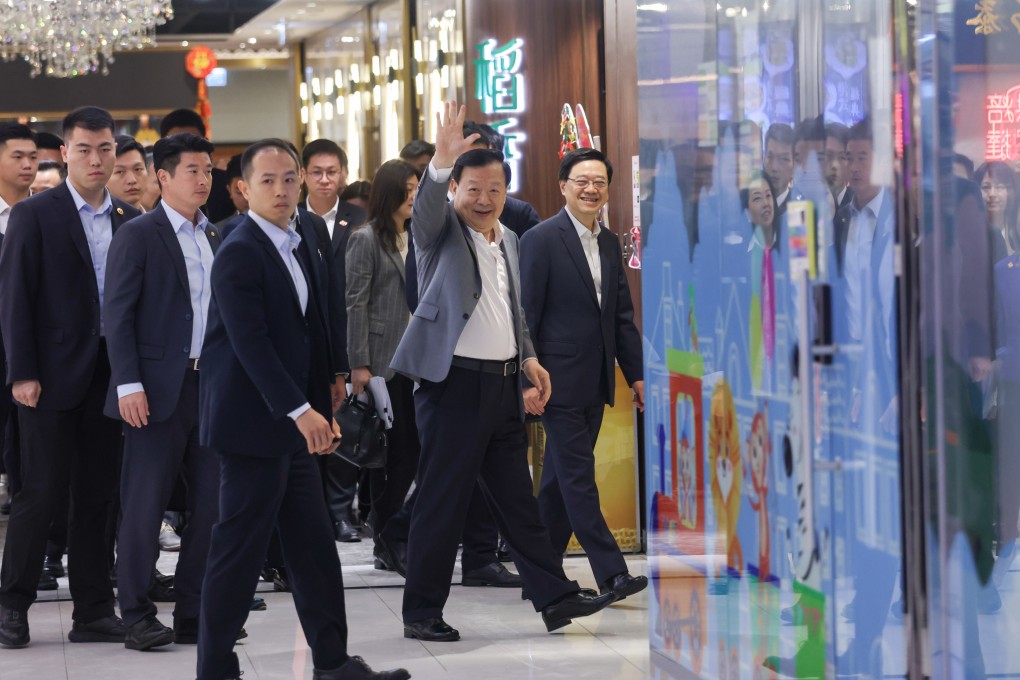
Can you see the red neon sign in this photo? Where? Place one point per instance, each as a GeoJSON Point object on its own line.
{"type": "Point", "coordinates": [1002, 137]}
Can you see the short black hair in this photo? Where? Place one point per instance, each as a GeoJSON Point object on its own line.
{"type": "Point", "coordinates": [861, 131]}
{"type": "Point", "coordinates": [473, 128]}
{"type": "Point", "coordinates": [248, 157]}
{"type": "Point", "coordinates": [327, 146]}
{"type": "Point", "coordinates": [479, 158]}
{"type": "Point", "coordinates": [781, 133]}
{"type": "Point", "coordinates": [91, 118]}
{"type": "Point", "coordinates": [360, 189]}
{"type": "Point", "coordinates": [496, 140]}
{"type": "Point", "coordinates": [966, 162]}
{"type": "Point", "coordinates": [45, 166]}
{"type": "Point", "coordinates": [810, 130]}
{"type": "Point", "coordinates": [581, 155]}
{"type": "Point", "coordinates": [182, 118]}
{"type": "Point", "coordinates": [839, 132]}
{"type": "Point", "coordinates": [48, 140]}
{"type": "Point", "coordinates": [233, 168]}
{"type": "Point", "coordinates": [166, 153]}
{"type": "Point", "coordinates": [9, 131]}
{"type": "Point", "coordinates": [417, 147]}
{"type": "Point", "coordinates": [126, 143]}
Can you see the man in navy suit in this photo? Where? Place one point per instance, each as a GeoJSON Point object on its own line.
{"type": "Point", "coordinates": [157, 302]}
{"type": "Point", "coordinates": [468, 403]}
{"type": "Point", "coordinates": [52, 280]}
{"type": "Point", "coordinates": [324, 166]}
{"type": "Point", "coordinates": [265, 408]}
{"type": "Point", "coordinates": [579, 311]}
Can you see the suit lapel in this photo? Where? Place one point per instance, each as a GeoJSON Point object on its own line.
{"type": "Point", "coordinates": [608, 265]}
{"type": "Point", "coordinates": [118, 215]}
{"type": "Point", "coordinates": [394, 258]}
{"type": "Point", "coordinates": [573, 245]}
{"type": "Point", "coordinates": [72, 220]}
{"type": "Point", "coordinates": [276, 257]}
{"type": "Point", "coordinates": [213, 235]}
{"type": "Point", "coordinates": [169, 238]}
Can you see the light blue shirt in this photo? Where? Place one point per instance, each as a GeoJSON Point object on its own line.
{"type": "Point", "coordinates": [198, 259]}
{"type": "Point", "coordinates": [286, 243]}
{"type": "Point", "coordinates": [98, 233]}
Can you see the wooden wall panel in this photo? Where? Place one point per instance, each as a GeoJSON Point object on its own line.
{"type": "Point", "coordinates": [561, 64]}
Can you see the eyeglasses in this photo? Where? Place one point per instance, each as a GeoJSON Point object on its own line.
{"type": "Point", "coordinates": [583, 183]}
{"type": "Point", "coordinates": [318, 174]}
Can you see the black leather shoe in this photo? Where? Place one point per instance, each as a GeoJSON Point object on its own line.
{"type": "Point", "coordinates": [391, 556]}
{"type": "Point", "coordinates": [47, 581]}
{"type": "Point", "coordinates": [148, 633]}
{"type": "Point", "coordinates": [13, 628]}
{"type": "Point", "coordinates": [584, 591]}
{"type": "Point", "coordinates": [575, 605]}
{"type": "Point", "coordinates": [107, 629]}
{"type": "Point", "coordinates": [258, 604]}
{"type": "Point", "coordinates": [186, 632]}
{"type": "Point", "coordinates": [494, 574]}
{"type": "Point", "coordinates": [503, 551]}
{"type": "Point", "coordinates": [624, 584]}
{"type": "Point", "coordinates": [5, 508]}
{"type": "Point", "coordinates": [346, 533]}
{"type": "Point", "coordinates": [280, 584]}
{"type": "Point", "coordinates": [54, 566]}
{"type": "Point", "coordinates": [431, 630]}
{"type": "Point", "coordinates": [357, 669]}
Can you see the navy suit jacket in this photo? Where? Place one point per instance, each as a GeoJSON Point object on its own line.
{"type": "Point", "coordinates": [49, 298]}
{"type": "Point", "coordinates": [263, 357]}
{"type": "Point", "coordinates": [148, 312]}
{"type": "Point", "coordinates": [576, 340]}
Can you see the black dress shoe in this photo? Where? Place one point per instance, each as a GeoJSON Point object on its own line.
{"type": "Point", "coordinates": [493, 574]}
{"type": "Point", "coordinates": [147, 634]}
{"type": "Point", "coordinates": [575, 605]}
{"type": "Point", "coordinates": [258, 604]}
{"type": "Point", "coordinates": [186, 631]}
{"type": "Point", "coordinates": [431, 630]}
{"type": "Point", "coordinates": [280, 582]}
{"type": "Point", "coordinates": [5, 508]}
{"type": "Point", "coordinates": [357, 669]}
{"type": "Point", "coordinates": [13, 628]}
{"type": "Point", "coordinates": [346, 533]}
{"type": "Point", "coordinates": [503, 551]}
{"type": "Point", "coordinates": [624, 584]}
{"type": "Point", "coordinates": [54, 566]}
{"type": "Point", "coordinates": [160, 591]}
{"type": "Point", "coordinates": [47, 581]}
{"type": "Point", "coordinates": [584, 591]}
{"type": "Point", "coordinates": [106, 629]}
{"type": "Point", "coordinates": [390, 556]}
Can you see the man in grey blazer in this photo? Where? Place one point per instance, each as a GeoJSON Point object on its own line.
{"type": "Point", "coordinates": [469, 407]}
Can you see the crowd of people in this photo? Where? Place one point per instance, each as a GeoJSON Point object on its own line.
{"type": "Point", "coordinates": [178, 339]}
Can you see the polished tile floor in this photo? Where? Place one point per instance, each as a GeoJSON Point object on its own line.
{"type": "Point", "coordinates": [502, 637]}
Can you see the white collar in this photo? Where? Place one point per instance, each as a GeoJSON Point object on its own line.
{"type": "Point", "coordinates": [279, 237]}
{"type": "Point", "coordinates": [334, 209]}
{"type": "Point", "coordinates": [79, 202]}
{"type": "Point", "coordinates": [497, 240]}
{"type": "Point", "coordinates": [581, 229]}
{"type": "Point", "coordinates": [177, 220]}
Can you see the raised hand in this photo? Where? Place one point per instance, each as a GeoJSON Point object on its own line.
{"type": "Point", "coordinates": [450, 141]}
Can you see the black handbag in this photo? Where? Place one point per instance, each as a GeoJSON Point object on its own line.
{"type": "Point", "coordinates": [363, 442]}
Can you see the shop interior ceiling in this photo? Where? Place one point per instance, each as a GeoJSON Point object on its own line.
{"type": "Point", "coordinates": [252, 26]}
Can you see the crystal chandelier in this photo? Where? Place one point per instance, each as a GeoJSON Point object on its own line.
{"type": "Point", "coordinates": [67, 38]}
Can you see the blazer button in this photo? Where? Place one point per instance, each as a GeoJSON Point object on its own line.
{"type": "Point", "coordinates": [93, 331]}
{"type": "Point", "coordinates": [477, 295]}
{"type": "Point", "coordinates": [187, 317]}
{"type": "Point", "coordinates": [186, 349]}
{"type": "Point", "coordinates": [95, 300]}
{"type": "Point", "coordinates": [466, 315]}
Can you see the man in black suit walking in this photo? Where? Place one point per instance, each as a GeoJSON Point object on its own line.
{"type": "Point", "coordinates": [325, 166]}
{"type": "Point", "coordinates": [157, 302]}
{"type": "Point", "coordinates": [582, 321]}
{"type": "Point", "coordinates": [265, 405]}
{"type": "Point", "coordinates": [52, 280]}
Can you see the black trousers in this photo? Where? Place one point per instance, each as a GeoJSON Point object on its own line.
{"type": "Point", "coordinates": [76, 449]}
{"type": "Point", "coordinates": [154, 456]}
{"type": "Point", "coordinates": [390, 484]}
{"type": "Point", "coordinates": [471, 429]}
{"type": "Point", "coordinates": [480, 539]}
{"type": "Point", "coordinates": [340, 484]}
{"type": "Point", "coordinates": [568, 498]}
{"type": "Point", "coordinates": [255, 493]}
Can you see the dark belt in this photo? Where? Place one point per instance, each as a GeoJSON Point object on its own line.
{"type": "Point", "coordinates": [192, 364]}
{"type": "Point", "coordinates": [503, 368]}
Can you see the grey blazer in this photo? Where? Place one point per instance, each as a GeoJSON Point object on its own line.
{"type": "Point", "coordinates": [449, 285]}
{"type": "Point", "coordinates": [376, 309]}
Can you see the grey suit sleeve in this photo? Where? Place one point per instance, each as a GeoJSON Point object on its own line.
{"type": "Point", "coordinates": [360, 271]}
{"type": "Point", "coordinates": [428, 216]}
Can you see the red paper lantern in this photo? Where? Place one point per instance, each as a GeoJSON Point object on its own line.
{"type": "Point", "coordinates": [200, 62]}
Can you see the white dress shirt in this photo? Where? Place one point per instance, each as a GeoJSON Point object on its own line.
{"type": "Point", "coordinates": [858, 261]}
{"type": "Point", "coordinates": [590, 246]}
{"type": "Point", "coordinates": [98, 225]}
{"type": "Point", "coordinates": [5, 215]}
{"type": "Point", "coordinates": [286, 243]}
{"type": "Point", "coordinates": [329, 217]}
{"type": "Point", "coordinates": [198, 260]}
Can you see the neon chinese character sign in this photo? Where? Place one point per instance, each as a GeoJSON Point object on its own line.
{"type": "Point", "coordinates": [499, 86]}
{"type": "Point", "coordinates": [1002, 137]}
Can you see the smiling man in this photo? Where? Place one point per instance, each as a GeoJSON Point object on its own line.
{"type": "Point", "coordinates": [52, 282]}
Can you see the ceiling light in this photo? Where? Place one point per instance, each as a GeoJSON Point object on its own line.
{"type": "Point", "coordinates": [652, 7]}
{"type": "Point", "coordinates": [252, 41]}
{"type": "Point", "coordinates": [184, 43]}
